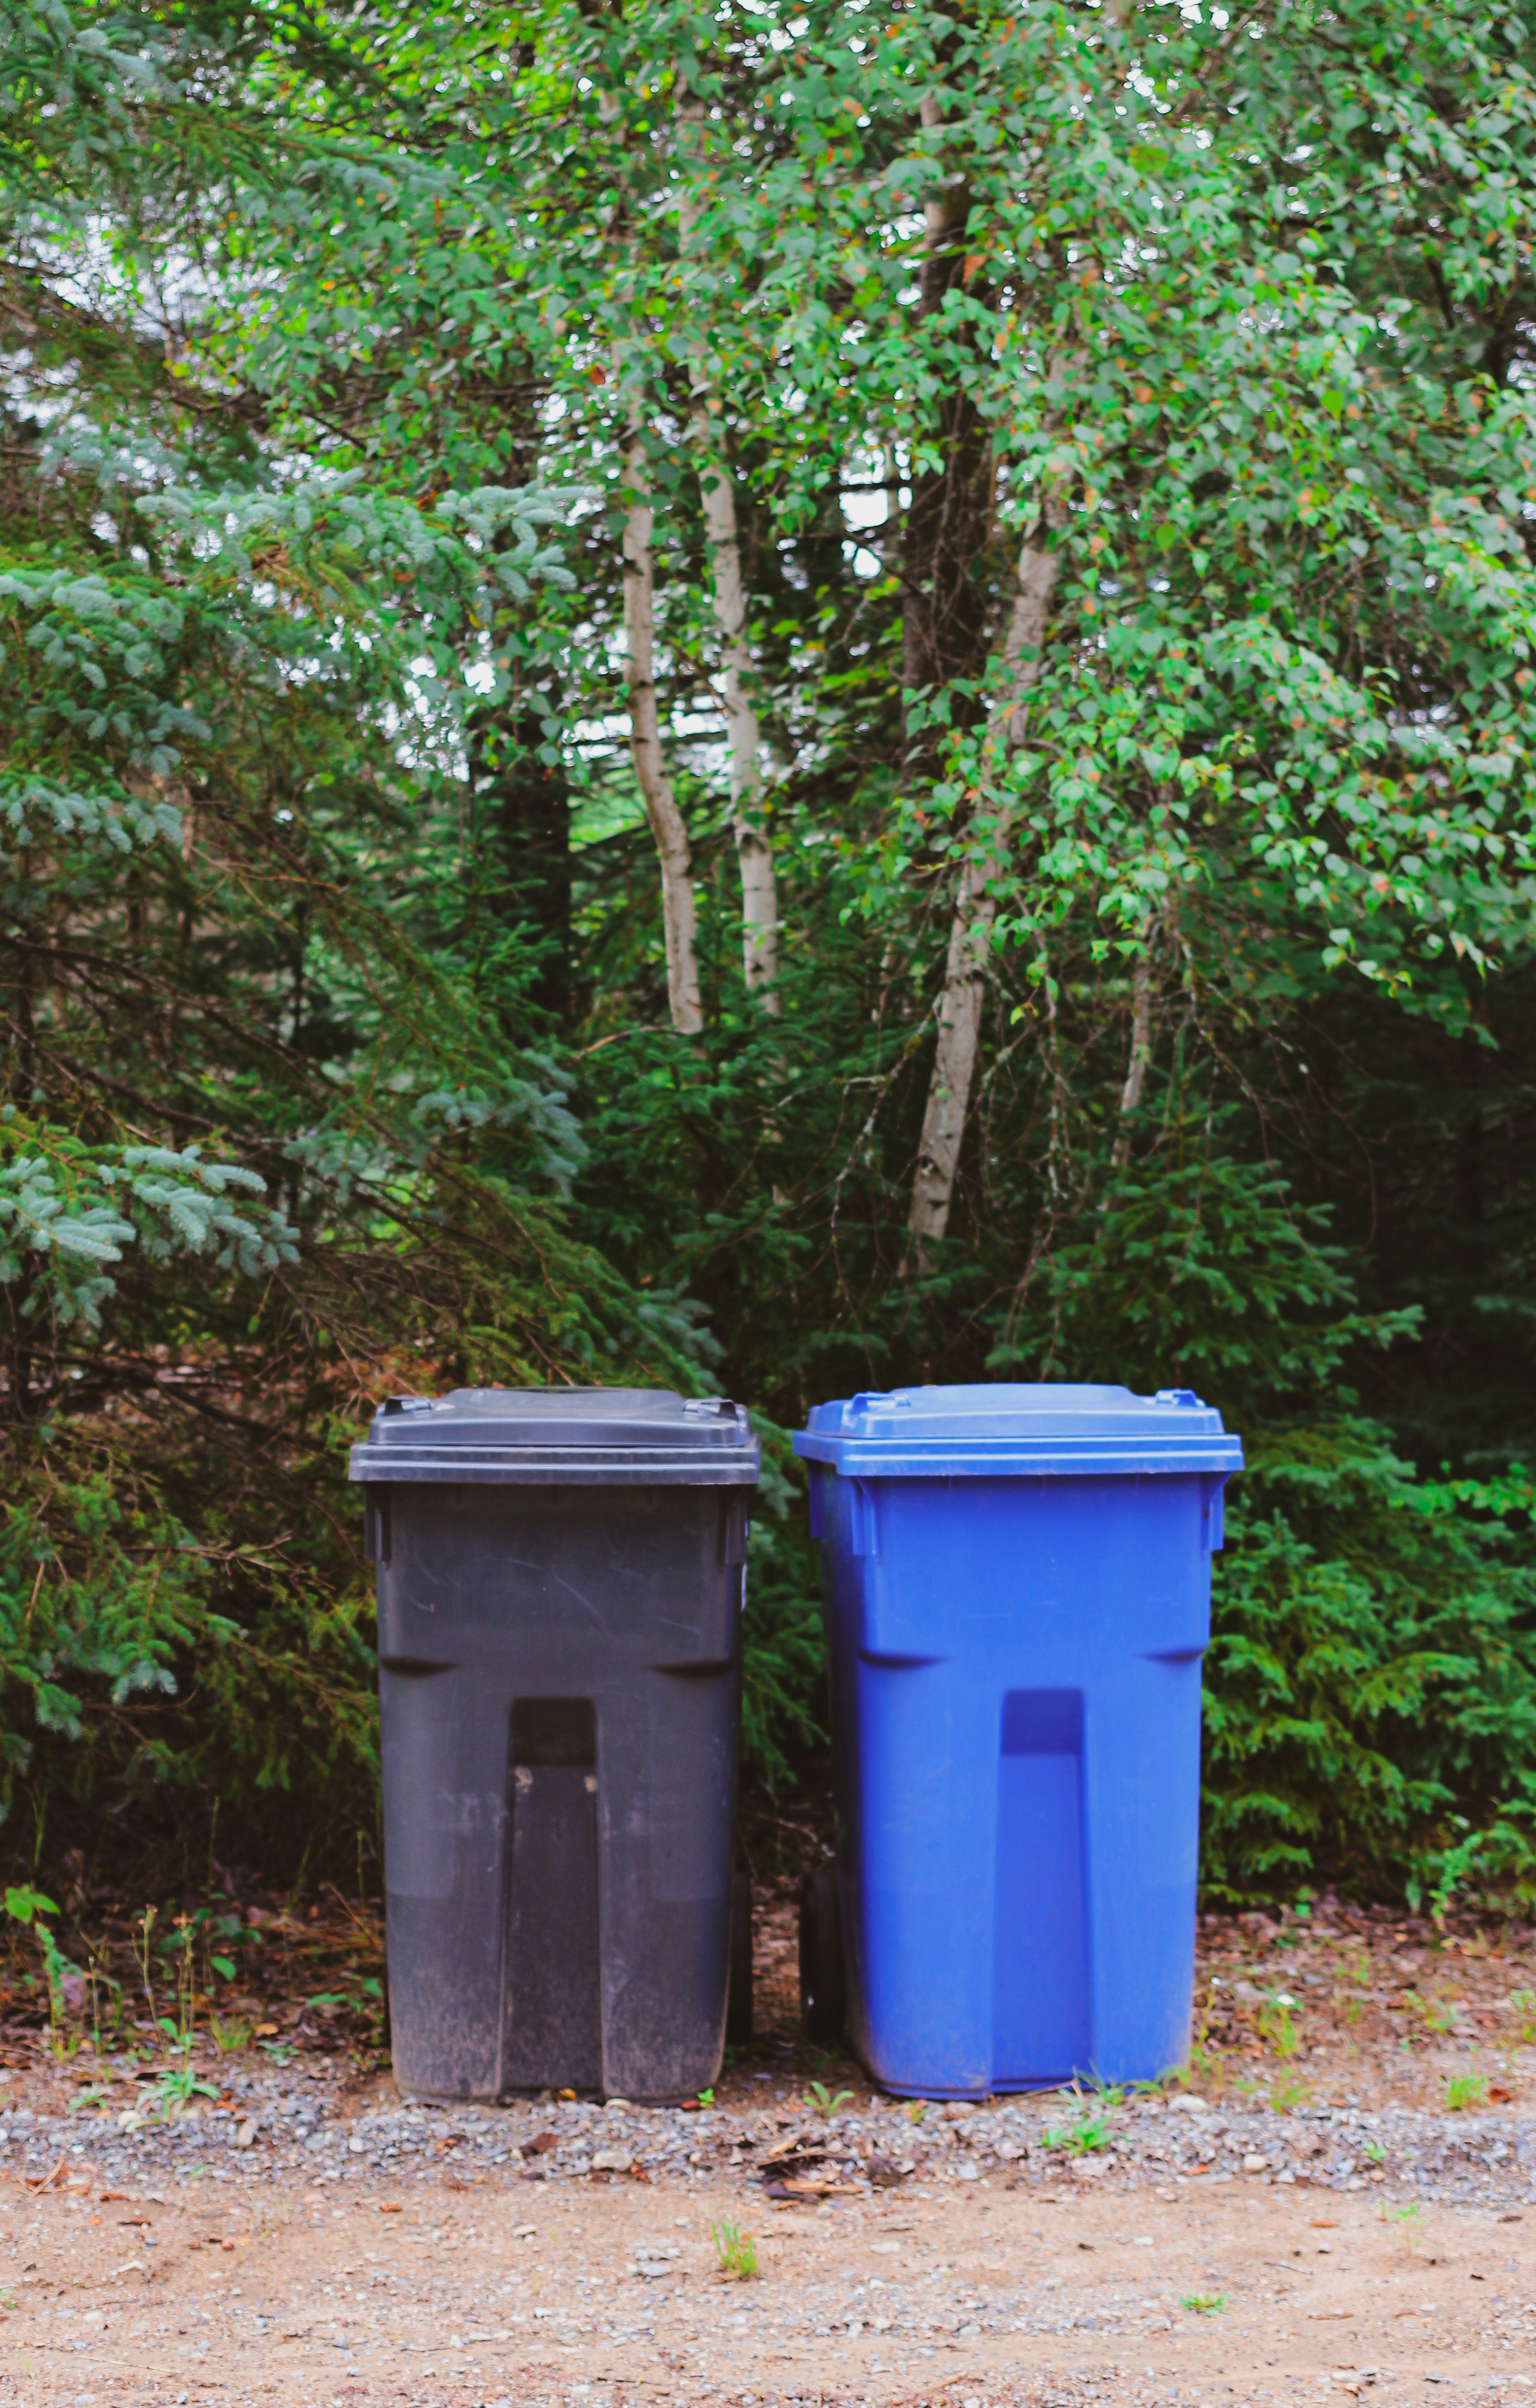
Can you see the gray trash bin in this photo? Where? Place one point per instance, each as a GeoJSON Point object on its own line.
{"type": "Point", "coordinates": [561, 1577]}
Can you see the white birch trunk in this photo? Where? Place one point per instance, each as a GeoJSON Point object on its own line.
{"type": "Point", "coordinates": [753, 853]}
{"type": "Point", "coordinates": [667, 822]}
{"type": "Point", "coordinates": [717, 491]}
{"type": "Point", "coordinates": [975, 910]}
{"type": "Point", "coordinates": [1141, 1053]}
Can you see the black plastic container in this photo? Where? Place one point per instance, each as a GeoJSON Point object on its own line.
{"type": "Point", "coordinates": [561, 1576]}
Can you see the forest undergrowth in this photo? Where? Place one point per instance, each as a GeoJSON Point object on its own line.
{"type": "Point", "coordinates": [768, 703]}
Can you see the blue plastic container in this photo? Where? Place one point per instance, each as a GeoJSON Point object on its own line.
{"type": "Point", "coordinates": [1016, 1583]}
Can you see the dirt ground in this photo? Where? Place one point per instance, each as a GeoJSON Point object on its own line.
{"type": "Point", "coordinates": [1339, 2194]}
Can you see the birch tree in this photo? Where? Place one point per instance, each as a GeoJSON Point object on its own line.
{"type": "Point", "coordinates": [743, 734]}
{"type": "Point", "coordinates": [680, 914]}
{"type": "Point", "coordinates": [975, 907]}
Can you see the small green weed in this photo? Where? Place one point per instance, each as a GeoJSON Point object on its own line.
{"type": "Point", "coordinates": [1292, 2090]}
{"type": "Point", "coordinates": [1374, 2150]}
{"type": "Point", "coordinates": [29, 1906]}
{"type": "Point", "coordinates": [1280, 2024]}
{"type": "Point", "coordinates": [737, 2252]}
{"type": "Point", "coordinates": [915, 2110]}
{"type": "Point", "coordinates": [1082, 2138]}
{"type": "Point", "coordinates": [706, 2098]}
{"type": "Point", "coordinates": [1466, 2090]}
{"type": "Point", "coordinates": [91, 2096]}
{"type": "Point", "coordinates": [823, 2100]}
{"type": "Point", "coordinates": [229, 2037]}
{"type": "Point", "coordinates": [177, 2085]}
{"type": "Point", "coordinates": [1205, 2303]}
{"type": "Point", "coordinates": [1523, 2005]}
{"type": "Point", "coordinates": [25, 1905]}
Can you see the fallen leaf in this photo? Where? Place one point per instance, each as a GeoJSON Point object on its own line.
{"type": "Point", "coordinates": [390, 2207]}
{"type": "Point", "coordinates": [541, 2143]}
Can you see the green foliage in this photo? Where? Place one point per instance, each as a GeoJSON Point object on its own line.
{"type": "Point", "coordinates": [338, 1055]}
{"type": "Point", "coordinates": [88, 1593]}
{"type": "Point", "coordinates": [1370, 1703]}
{"type": "Point", "coordinates": [26, 1905]}
{"type": "Point", "coordinates": [1205, 1270]}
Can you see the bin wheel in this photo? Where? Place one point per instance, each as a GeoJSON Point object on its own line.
{"type": "Point", "coordinates": [738, 1995]}
{"type": "Point", "coordinates": [824, 1995]}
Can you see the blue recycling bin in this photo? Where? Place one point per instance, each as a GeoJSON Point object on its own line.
{"type": "Point", "coordinates": [1016, 1583]}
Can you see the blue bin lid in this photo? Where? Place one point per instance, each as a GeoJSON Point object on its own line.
{"type": "Point", "coordinates": [1044, 1426]}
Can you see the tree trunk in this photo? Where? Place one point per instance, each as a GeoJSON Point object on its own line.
{"type": "Point", "coordinates": [667, 821]}
{"type": "Point", "coordinates": [759, 898]}
{"type": "Point", "coordinates": [944, 533]}
{"type": "Point", "coordinates": [1140, 1053]}
{"type": "Point", "coordinates": [976, 907]}
{"type": "Point", "coordinates": [717, 491]}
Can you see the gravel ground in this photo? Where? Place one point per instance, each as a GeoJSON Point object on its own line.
{"type": "Point", "coordinates": [1307, 2210]}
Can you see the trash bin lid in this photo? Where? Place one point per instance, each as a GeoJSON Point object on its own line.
{"type": "Point", "coordinates": [623, 1436]}
{"type": "Point", "coordinates": [1045, 1426]}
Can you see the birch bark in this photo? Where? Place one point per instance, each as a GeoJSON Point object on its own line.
{"type": "Point", "coordinates": [1140, 1053]}
{"type": "Point", "coordinates": [976, 906]}
{"type": "Point", "coordinates": [753, 853]}
{"type": "Point", "coordinates": [668, 825]}
{"type": "Point", "coordinates": [717, 492]}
